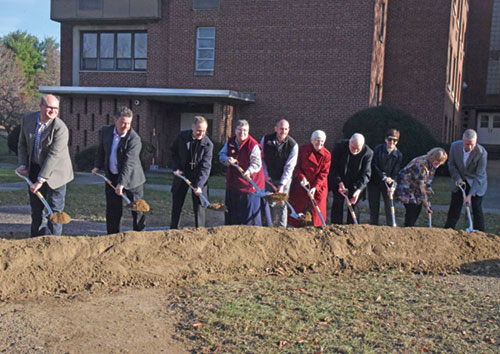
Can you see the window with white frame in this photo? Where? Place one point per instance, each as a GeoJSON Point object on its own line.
{"type": "Point", "coordinates": [114, 51]}
{"type": "Point", "coordinates": [205, 51]}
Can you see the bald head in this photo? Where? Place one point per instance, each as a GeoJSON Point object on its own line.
{"type": "Point", "coordinates": [356, 143]}
{"type": "Point", "coordinates": [282, 128]}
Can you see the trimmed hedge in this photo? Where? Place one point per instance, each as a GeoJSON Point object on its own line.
{"type": "Point", "coordinates": [13, 138]}
{"type": "Point", "coordinates": [218, 169]}
{"type": "Point", "coordinates": [415, 139]}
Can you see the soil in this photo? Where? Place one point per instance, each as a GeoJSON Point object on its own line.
{"type": "Point", "coordinates": [108, 293]}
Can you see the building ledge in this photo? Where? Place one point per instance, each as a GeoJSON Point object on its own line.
{"type": "Point", "coordinates": [160, 94]}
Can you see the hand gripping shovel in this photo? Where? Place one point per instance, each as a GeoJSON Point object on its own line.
{"type": "Point", "coordinates": [349, 206]}
{"type": "Point", "coordinates": [139, 205]}
{"type": "Point", "coordinates": [58, 217]}
{"type": "Point", "coordinates": [390, 193]}
{"type": "Point", "coordinates": [461, 185]}
{"type": "Point", "coordinates": [293, 214]}
{"type": "Point", "coordinates": [238, 167]}
{"type": "Point", "coordinates": [205, 203]}
{"type": "Point", "coordinates": [314, 203]}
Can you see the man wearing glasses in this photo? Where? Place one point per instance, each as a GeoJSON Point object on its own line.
{"type": "Point", "coordinates": [43, 156]}
{"type": "Point", "coordinates": [386, 164]}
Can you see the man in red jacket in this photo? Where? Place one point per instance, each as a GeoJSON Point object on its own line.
{"type": "Point", "coordinates": [242, 199]}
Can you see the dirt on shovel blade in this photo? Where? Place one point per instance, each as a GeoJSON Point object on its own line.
{"type": "Point", "coordinates": [139, 205]}
{"type": "Point", "coordinates": [60, 218]}
{"type": "Point", "coordinates": [306, 219]}
{"type": "Point", "coordinates": [217, 207]}
{"type": "Point", "coordinates": [276, 197]}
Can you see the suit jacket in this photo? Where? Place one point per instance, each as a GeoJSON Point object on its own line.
{"type": "Point", "coordinates": [475, 170]}
{"type": "Point", "coordinates": [130, 172]}
{"type": "Point", "coordinates": [202, 158]}
{"type": "Point", "coordinates": [356, 178]}
{"type": "Point", "coordinates": [54, 159]}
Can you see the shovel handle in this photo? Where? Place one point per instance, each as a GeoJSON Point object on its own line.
{"type": "Point", "coordinates": [188, 182]}
{"type": "Point", "coordinates": [316, 206]}
{"type": "Point", "coordinates": [106, 179]}
{"type": "Point", "coordinates": [38, 194]}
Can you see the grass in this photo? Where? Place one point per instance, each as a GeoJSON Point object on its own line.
{"type": "Point", "coordinates": [7, 175]}
{"type": "Point", "coordinates": [163, 178]}
{"type": "Point", "coordinates": [373, 313]}
{"type": "Point", "coordinates": [6, 156]}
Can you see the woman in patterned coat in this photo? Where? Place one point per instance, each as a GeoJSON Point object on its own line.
{"type": "Point", "coordinates": [414, 183]}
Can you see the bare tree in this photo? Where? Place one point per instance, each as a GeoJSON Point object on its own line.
{"type": "Point", "coordinates": [13, 99]}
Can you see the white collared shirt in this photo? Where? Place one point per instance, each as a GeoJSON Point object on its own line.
{"type": "Point", "coordinates": [466, 156]}
{"type": "Point", "coordinates": [113, 162]}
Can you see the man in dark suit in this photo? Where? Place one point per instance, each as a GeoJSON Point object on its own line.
{"type": "Point", "coordinates": [119, 156]}
{"type": "Point", "coordinates": [43, 155]}
{"type": "Point", "coordinates": [467, 163]}
{"type": "Point", "coordinates": [350, 172]}
{"type": "Point", "coordinates": [192, 157]}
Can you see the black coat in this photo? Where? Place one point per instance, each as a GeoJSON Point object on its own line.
{"type": "Point", "coordinates": [355, 178]}
{"type": "Point", "coordinates": [130, 172]}
{"type": "Point", "coordinates": [392, 166]}
{"type": "Point", "coordinates": [202, 158]}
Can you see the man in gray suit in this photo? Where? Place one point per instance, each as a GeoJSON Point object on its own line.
{"type": "Point", "coordinates": [43, 156]}
{"type": "Point", "coordinates": [119, 156]}
{"type": "Point", "coordinates": [467, 162]}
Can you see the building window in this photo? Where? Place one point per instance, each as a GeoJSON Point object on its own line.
{"type": "Point", "coordinates": [118, 51]}
{"type": "Point", "coordinates": [382, 22]}
{"type": "Point", "coordinates": [378, 94]}
{"type": "Point", "coordinates": [205, 4]}
{"type": "Point", "coordinates": [205, 51]}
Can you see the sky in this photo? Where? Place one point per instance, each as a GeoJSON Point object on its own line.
{"type": "Point", "coordinates": [32, 16]}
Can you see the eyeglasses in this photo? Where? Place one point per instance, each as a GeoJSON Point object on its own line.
{"type": "Point", "coordinates": [55, 109]}
{"type": "Point", "coordinates": [394, 140]}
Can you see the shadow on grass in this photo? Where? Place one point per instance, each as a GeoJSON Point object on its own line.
{"type": "Point", "coordinates": [486, 268]}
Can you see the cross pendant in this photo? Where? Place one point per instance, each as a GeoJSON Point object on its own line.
{"type": "Point", "coordinates": [193, 164]}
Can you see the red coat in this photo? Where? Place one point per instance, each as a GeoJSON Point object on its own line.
{"type": "Point", "coordinates": [314, 166]}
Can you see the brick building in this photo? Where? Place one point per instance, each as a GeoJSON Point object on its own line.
{"type": "Point", "coordinates": [313, 62]}
{"type": "Point", "coordinates": [481, 98]}
{"type": "Point", "coordinates": [424, 60]}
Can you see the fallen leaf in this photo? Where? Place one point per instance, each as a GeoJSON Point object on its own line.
{"type": "Point", "coordinates": [379, 298]}
{"type": "Point", "coordinates": [418, 285]}
{"type": "Point", "coordinates": [489, 340]}
{"type": "Point", "coordinates": [283, 343]}
{"type": "Point", "coordinates": [424, 349]}
{"type": "Point", "coordinates": [300, 341]}
{"type": "Point", "coordinates": [197, 324]}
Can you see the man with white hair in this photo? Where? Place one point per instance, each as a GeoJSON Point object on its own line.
{"type": "Point", "coordinates": [349, 174]}
{"type": "Point", "coordinates": [467, 163]}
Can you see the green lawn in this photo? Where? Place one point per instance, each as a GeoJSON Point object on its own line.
{"type": "Point", "coordinates": [6, 156]}
{"type": "Point", "coordinates": [354, 313]}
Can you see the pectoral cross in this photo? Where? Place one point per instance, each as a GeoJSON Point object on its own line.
{"type": "Point", "coordinates": [192, 164]}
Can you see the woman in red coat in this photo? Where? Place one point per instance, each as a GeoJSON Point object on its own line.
{"type": "Point", "coordinates": [312, 168]}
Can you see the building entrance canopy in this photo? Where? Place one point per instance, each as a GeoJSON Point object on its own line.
{"type": "Point", "coordinates": [160, 94]}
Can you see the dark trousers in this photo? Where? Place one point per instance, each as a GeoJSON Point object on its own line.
{"type": "Point", "coordinates": [40, 223]}
{"type": "Point", "coordinates": [412, 213]}
{"type": "Point", "coordinates": [114, 208]}
{"type": "Point", "coordinates": [178, 197]}
{"type": "Point", "coordinates": [242, 209]}
{"type": "Point", "coordinates": [374, 191]}
{"type": "Point", "coordinates": [456, 204]}
{"type": "Point", "coordinates": [337, 213]}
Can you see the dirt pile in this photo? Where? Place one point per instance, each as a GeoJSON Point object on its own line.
{"type": "Point", "coordinates": [50, 265]}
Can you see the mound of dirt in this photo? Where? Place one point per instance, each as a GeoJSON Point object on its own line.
{"type": "Point", "coordinates": [44, 266]}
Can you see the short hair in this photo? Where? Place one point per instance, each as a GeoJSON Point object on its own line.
{"type": "Point", "coordinates": [469, 134]}
{"type": "Point", "coordinates": [318, 133]}
{"type": "Point", "coordinates": [392, 132]}
{"type": "Point", "coordinates": [241, 122]}
{"type": "Point", "coordinates": [437, 154]}
{"type": "Point", "coordinates": [357, 137]}
{"type": "Point", "coordinates": [43, 100]}
{"type": "Point", "coordinates": [199, 119]}
{"type": "Point", "coordinates": [124, 112]}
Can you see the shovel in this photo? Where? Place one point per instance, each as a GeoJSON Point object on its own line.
{"type": "Point", "coordinates": [390, 193]}
{"type": "Point", "coordinates": [293, 214]}
{"type": "Point", "coordinates": [139, 205]}
{"type": "Point", "coordinates": [427, 202]}
{"type": "Point", "coordinates": [349, 206]}
{"type": "Point", "coordinates": [314, 203]}
{"type": "Point", "coordinates": [205, 203]}
{"type": "Point", "coordinates": [461, 185]}
{"type": "Point", "coordinates": [58, 217]}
